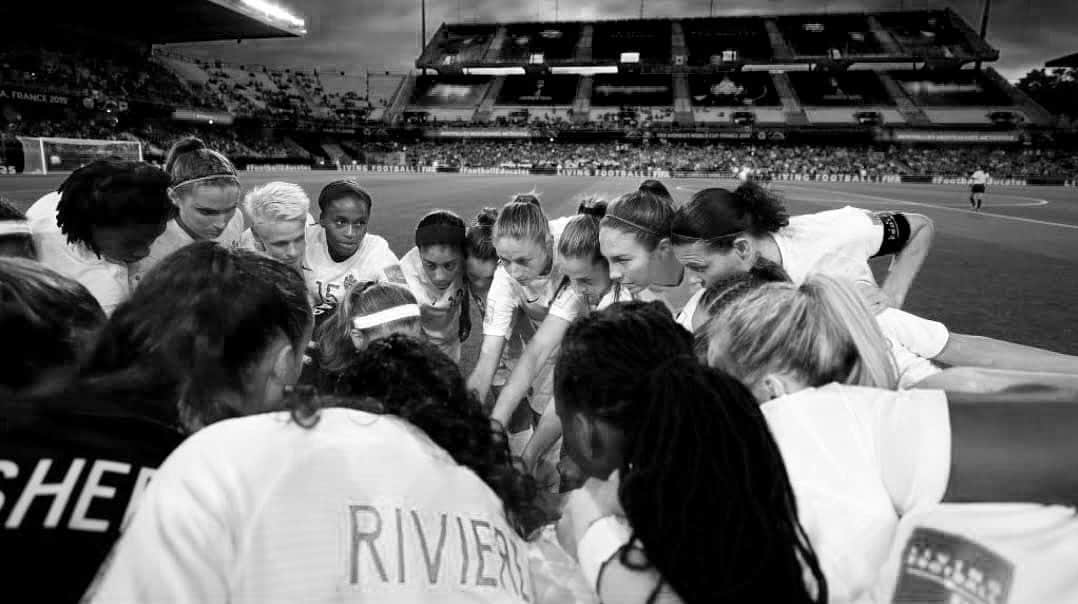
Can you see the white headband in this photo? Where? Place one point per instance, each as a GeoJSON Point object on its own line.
{"type": "Point", "coordinates": [404, 311]}
{"type": "Point", "coordinates": [14, 227]}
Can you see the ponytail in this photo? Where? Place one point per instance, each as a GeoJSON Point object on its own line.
{"type": "Point", "coordinates": [821, 331]}
{"type": "Point", "coordinates": [522, 220]}
{"type": "Point", "coordinates": [191, 162]}
{"type": "Point", "coordinates": [716, 216]}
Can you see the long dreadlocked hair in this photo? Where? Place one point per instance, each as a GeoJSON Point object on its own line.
{"type": "Point", "coordinates": [702, 480]}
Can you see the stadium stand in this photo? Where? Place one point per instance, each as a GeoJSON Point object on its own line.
{"type": "Point", "coordinates": [872, 83]}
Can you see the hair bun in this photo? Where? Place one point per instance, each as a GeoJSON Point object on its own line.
{"type": "Point", "coordinates": [486, 217]}
{"type": "Point", "coordinates": [592, 207]}
{"type": "Point", "coordinates": [186, 145]}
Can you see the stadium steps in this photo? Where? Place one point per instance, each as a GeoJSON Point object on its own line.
{"type": "Point", "coordinates": [336, 153]}
{"type": "Point", "coordinates": [884, 37]}
{"type": "Point", "coordinates": [298, 150]}
{"type": "Point", "coordinates": [582, 102]}
{"type": "Point", "coordinates": [494, 51]}
{"type": "Point", "coordinates": [677, 43]}
{"type": "Point", "coordinates": [913, 114]}
{"type": "Point", "coordinates": [583, 46]}
{"type": "Point", "coordinates": [486, 106]}
{"type": "Point", "coordinates": [682, 105]}
{"type": "Point", "coordinates": [779, 47]}
{"type": "Point", "coordinates": [791, 105]}
{"type": "Point", "coordinates": [1034, 112]}
{"type": "Point", "coordinates": [395, 109]}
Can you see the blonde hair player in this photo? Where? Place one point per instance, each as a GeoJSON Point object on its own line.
{"type": "Point", "coordinates": [279, 213]}
{"type": "Point", "coordinates": [860, 456]}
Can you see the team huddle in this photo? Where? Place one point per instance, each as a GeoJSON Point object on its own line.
{"type": "Point", "coordinates": [213, 396]}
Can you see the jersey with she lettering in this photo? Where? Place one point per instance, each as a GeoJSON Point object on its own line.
{"type": "Point", "coordinates": [355, 508]}
{"type": "Point", "coordinates": [175, 237]}
{"type": "Point", "coordinates": [74, 467]}
{"type": "Point", "coordinates": [328, 280]}
{"type": "Point", "coordinates": [985, 552]}
{"type": "Point", "coordinates": [859, 459]}
{"type": "Point", "coordinates": [439, 308]}
{"type": "Point", "coordinates": [109, 282]}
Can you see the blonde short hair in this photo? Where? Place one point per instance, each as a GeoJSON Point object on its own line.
{"type": "Point", "coordinates": [276, 202]}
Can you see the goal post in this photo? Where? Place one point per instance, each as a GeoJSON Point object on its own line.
{"type": "Point", "coordinates": [45, 154]}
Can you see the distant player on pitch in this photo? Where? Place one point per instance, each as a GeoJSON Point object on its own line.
{"type": "Point", "coordinates": [976, 195]}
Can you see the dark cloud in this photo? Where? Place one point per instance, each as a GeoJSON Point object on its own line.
{"type": "Point", "coordinates": [357, 35]}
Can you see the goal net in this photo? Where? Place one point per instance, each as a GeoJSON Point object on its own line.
{"type": "Point", "coordinates": [42, 155]}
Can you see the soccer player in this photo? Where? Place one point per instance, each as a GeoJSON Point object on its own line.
{"type": "Point", "coordinates": [205, 191]}
{"type": "Point", "coordinates": [104, 220]}
{"type": "Point", "coordinates": [279, 215]}
{"type": "Point", "coordinates": [435, 272]}
{"type": "Point", "coordinates": [979, 182]}
{"type": "Point", "coordinates": [340, 251]}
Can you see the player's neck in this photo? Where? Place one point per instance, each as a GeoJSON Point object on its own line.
{"type": "Point", "coordinates": [769, 250]}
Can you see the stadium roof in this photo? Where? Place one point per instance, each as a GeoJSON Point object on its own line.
{"type": "Point", "coordinates": [157, 22]}
{"type": "Point", "coordinates": [1070, 60]}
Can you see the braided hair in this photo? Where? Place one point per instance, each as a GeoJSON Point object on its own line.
{"type": "Point", "coordinates": [702, 480]}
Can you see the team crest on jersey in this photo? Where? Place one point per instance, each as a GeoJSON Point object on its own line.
{"type": "Point", "coordinates": [941, 567]}
{"type": "Point", "coordinates": [395, 274]}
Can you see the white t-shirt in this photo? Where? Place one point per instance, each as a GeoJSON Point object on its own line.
{"type": "Point", "coordinates": [847, 232]}
{"type": "Point", "coordinates": [980, 177]}
{"type": "Point", "coordinates": [176, 237]}
{"type": "Point", "coordinates": [992, 553]}
{"type": "Point", "coordinates": [109, 282]}
{"type": "Point", "coordinates": [356, 508]}
{"type": "Point", "coordinates": [859, 459]}
{"type": "Point", "coordinates": [439, 308]}
{"type": "Point", "coordinates": [327, 280]}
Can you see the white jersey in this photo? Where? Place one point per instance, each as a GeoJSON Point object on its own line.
{"type": "Point", "coordinates": [859, 459]}
{"type": "Point", "coordinates": [328, 280]}
{"type": "Point", "coordinates": [980, 177]}
{"type": "Point", "coordinates": [687, 316]}
{"type": "Point", "coordinates": [848, 232]}
{"type": "Point", "coordinates": [439, 308]}
{"type": "Point", "coordinates": [176, 237]}
{"type": "Point", "coordinates": [356, 508]}
{"type": "Point", "coordinates": [1001, 553]}
{"type": "Point", "coordinates": [509, 301]}
{"type": "Point", "coordinates": [109, 282]}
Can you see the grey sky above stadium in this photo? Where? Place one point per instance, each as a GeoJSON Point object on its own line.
{"type": "Point", "coordinates": [356, 35]}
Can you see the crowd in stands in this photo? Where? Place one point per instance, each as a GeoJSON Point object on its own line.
{"type": "Point", "coordinates": [90, 71]}
{"type": "Point", "coordinates": [776, 159]}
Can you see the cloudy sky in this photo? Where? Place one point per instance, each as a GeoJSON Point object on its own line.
{"type": "Point", "coordinates": [357, 35]}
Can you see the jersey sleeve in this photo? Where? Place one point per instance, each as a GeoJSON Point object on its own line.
{"type": "Point", "coordinates": [864, 231]}
{"type": "Point", "coordinates": [501, 305]}
{"type": "Point", "coordinates": [567, 305]}
{"type": "Point", "coordinates": [178, 547]}
{"type": "Point", "coordinates": [920, 336]}
{"type": "Point", "coordinates": [914, 447]}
